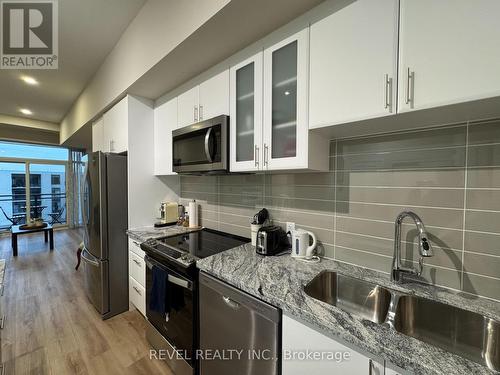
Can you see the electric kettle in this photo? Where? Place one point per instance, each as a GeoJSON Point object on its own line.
{"type": "Point", "coordinates": [300, 243]}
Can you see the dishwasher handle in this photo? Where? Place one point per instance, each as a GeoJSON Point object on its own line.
{"type": "Point", "coordinates": [232, 304]}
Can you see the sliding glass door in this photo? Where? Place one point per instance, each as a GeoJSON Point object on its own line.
{"type": "Point", "coordinates": [48, 192]}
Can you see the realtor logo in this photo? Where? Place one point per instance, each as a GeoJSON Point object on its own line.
{"type": "Point", "coordinates": [29, 34]}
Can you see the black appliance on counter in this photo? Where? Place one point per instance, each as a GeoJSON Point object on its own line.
{"type": "Point", "coordinates": [202, 148]}
{"type": "Point", "coordinates": [171, 262]}
{"type": "Point", "coordinates": [271, 240]}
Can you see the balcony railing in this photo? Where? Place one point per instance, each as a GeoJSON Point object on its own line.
{"type": "Point", "coordinates": [50, 207]}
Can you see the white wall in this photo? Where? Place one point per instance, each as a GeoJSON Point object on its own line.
{"type": "Point", "coordinates": [145, 190]}
{"type": "Point", "coordinates": [157, 29]}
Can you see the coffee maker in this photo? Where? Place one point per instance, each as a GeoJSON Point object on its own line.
{"type": "Point", "coordinates": [168, 214]}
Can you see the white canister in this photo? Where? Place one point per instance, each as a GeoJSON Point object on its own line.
{"type": "Point", "coordinates": [193, 214]}
{"type": "Point", "coordinates": [255, 229]}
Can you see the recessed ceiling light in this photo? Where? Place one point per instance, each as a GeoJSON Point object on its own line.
{"type": "Point", "coordinates": [25, 111]}
{"type": "Point", "coordinates": [29, 80]}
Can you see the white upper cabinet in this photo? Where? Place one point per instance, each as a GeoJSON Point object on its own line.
{"type": "Point", "coordinates": [165, 120]}
{"type": "Point", "coordinates": [246, 115]}
{"type": "Point", "coordinates": [116, 127]}
{"type": "Point", "coordinates": [214, 96]}
{"type": "Point", "coordinates": [449, 52]}
{"type": "Point", "coordinates": [204, 101]}
{"type": "Point", "coordinates": [285, 129]}
{"type": "Point", "coordinates": [353, 63]}
{"type": "Point", "coordinates": [187, 107]}
{"type": "Point", "coordinates": [98, 135]}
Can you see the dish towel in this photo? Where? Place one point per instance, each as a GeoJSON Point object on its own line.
{"type": "Point", "coordinates": [159, 292]}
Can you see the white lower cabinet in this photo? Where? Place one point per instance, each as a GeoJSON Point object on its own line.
{"type": "Point", "coordinates": [137, 295]}
{"type": "Point", "coordinates": [137, 276]}
{"type": "Point", "coordinates": [306, 351]}
{"type": "Point", "coordinates": [137, 268]}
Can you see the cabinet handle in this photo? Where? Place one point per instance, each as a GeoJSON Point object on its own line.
{"type": "Point", "coordinates": [409, 83]}
{"type": "Point", "coordinates": [195, 113]}
{"type": "Point", "coordinates": [388, 92]}
{"type": "Point", "coordinates": [137, 290]}
{"type": "Point", "coordinates": [201, 112]}
{"type": "Point", "coordinates": [370, 366]}
{"type": "Point", "coordinates": [256, 157]}
{"type": "Point", "coordinates": [137, 262]}
{"type": "Point", "coordinates": [266, 150]}
{"type": "Point", "coordinates": [2, 321]}
{"type": "Point", "coordinates": [2, 370]}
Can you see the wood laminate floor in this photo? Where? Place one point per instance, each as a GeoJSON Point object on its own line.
{"type": "Point", "coordinates": [51, 328]}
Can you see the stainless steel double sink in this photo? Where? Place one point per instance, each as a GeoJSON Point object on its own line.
{"type": "Point", "coordinates": [468, 334]}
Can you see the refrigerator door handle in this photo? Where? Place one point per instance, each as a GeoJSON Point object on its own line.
{"type": "Point", "coordinates": [85, 203]}
{"type": "Point", "coordinates": [88, 260]}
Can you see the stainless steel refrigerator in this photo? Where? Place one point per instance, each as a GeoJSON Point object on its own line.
{"type": "Point", "coordinates": [105, 218]}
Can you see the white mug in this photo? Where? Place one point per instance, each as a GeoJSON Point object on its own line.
{"type": "Point", "coordinates": [300, 244]}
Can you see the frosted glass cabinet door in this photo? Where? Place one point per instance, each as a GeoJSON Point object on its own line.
{"type": "Point", "coordinates": [285, 103]}
{"type": "Point", "coordinates": [246, 114]}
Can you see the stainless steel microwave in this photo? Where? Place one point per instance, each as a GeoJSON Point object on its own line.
{"type": "Point", "coordinates": [202, 147]}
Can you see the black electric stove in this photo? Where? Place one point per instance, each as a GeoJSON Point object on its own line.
{"type": "Point", "coordinates": [185, 249]}
{"type": "Point", "coordinates": [176, 331]}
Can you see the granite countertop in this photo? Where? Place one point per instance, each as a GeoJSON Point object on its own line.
{"type": "Point", "coordinates": [146, 233]}
{"type": "Point", "coordinates": [280, 280]}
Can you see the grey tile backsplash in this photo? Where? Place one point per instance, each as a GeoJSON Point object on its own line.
{"type": "Point", "coordinates": [450, 176]}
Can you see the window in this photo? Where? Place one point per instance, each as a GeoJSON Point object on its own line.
{"type": "Point", "coordinates": [18, 193]}
{"type": "Point", "coordinates": [35, 189]}
{"type": "Point", "coordinates": [27, 151]}
{"type": "Point", "coordinates": [56, 199]}
{"type": "Point", "coordinates": [41, 169]}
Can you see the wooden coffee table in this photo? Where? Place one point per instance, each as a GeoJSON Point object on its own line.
{"type": "Point", "coordinates": [16, 231]}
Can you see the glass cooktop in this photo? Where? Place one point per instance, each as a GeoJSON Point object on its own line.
{"type": "Point", "coordinates": [204, 243]}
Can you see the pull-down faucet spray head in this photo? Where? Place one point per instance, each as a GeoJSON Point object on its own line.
{"type": "Point", "coordinates": [424, 246]}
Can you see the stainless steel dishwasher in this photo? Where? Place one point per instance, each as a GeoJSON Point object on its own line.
{"type": "Point", "coordinates": [239, 334]}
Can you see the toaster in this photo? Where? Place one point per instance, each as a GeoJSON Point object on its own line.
{"type": "Point", "coordinates": [271, 240]}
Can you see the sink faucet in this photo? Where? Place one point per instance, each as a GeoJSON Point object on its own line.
{"type": "Point", "coordinates": [424, 247]}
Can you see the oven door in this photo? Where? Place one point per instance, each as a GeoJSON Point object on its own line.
{"type": "Point", "coordinates": [201, 147]}
{"type": "Point", "coordinates": [177, 326]}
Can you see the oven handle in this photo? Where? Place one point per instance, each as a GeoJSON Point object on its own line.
{"type": "Point", "coordinates": [180, 282]}
{"type": "Point", "coordinates": [207, 146]}
{"type": "Point", "coordinates": [183, 283]}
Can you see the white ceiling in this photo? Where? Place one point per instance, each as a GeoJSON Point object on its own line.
{"type": "Point", "coordinates": [88, 30]}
